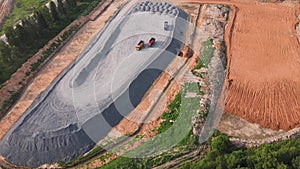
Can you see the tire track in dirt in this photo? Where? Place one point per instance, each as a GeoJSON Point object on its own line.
{"type": "Point", "coordinates": [263, 63]}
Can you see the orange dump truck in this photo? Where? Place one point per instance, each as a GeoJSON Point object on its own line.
{"type": "Point", "coordinates": [140, 45]}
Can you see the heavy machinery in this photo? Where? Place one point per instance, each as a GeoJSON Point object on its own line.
{"type": "Point", "coordinates": [166, 25]}
{"type": "Point", "coordinates": [140, 45]}
{"type": "Point", "coordinates": [151, 42]}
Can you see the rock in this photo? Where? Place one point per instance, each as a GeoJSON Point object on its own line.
{"type": "Point", "coordinates": [147, 8]}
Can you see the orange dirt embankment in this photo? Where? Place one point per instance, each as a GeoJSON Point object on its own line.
{"type": "Point", "coordinates": [63, 59]}
{"type": "Point", "coordinates": [132, 122]}
{"type": "Point", "coordinates": [263, 82]}
{"type": "Point", "coordinates": [146, 117]}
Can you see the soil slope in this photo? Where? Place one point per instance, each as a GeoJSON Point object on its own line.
{"type": "Point", "coordinates": [90, 97]}
{"type": "Point", "coordinates": [262, 84]}
{"type": "Point", "coordinates": [5, 9]}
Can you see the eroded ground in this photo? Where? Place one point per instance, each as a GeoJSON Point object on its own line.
{"type": "Point", "coordinates": [105, 83]}
{"type": "Point", "coordinates": [262, 85]}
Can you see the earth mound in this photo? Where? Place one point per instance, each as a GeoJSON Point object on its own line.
{"type": "Point", "coordinates": [263, 83]}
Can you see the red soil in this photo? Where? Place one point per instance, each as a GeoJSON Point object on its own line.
{"type": "Point", "coordinates": [262, 84]}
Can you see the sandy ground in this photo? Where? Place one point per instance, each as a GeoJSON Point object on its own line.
{"type": "Point", "coordinates": [251, 71]}
{"type": "Point", "coordinates": [263, 63]}
{"type": "Point", "coordinates": [64, 58]}
{"type": "Point", "coordinates": [150, 109]}
{"type": "Point", "coordinates": [143, 113]}
{"type": "Point", "coordinates": [105, 84]}
{"type": "Point", "coordinates": [235, 126]}
{"type": "Point", "coordinates": [131, 122]}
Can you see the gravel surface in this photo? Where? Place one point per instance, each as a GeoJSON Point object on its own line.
{"type": "Point", "coordinates": [107, 81]}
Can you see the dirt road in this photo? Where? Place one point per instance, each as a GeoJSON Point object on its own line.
{"type": "Point", "coordinates": [263, 63]}
{"type": "Point", "coordinates": [67, 116]}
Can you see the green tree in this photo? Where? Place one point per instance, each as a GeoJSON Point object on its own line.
{"type": "Point", "coordinates": [236, 159]}
{"type": "Point", "coordinates": [54, 13]}
{"type": "Point", "coordinates": [40, 20]}
{"type": "Point", "coordinates": [21, 36]}
{"type": "Point", "coordinates": [46, 13]}
{"type": "Point", "coordinates": [11, 35]}
{"type": "Point", "coordinates": [296, 162]}
{"type": "Point", "coordinates": [5, 55]}
{"type": "Point", "coordinates": [60, 8]}
{"type": "Point", "coordinates": [221, 144]}
{"type": "Point", "coordinates": [70, 5]}
{"type": "Point", "coordinates": [31, 32]}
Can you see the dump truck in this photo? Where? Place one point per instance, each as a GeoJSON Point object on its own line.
{"type": "Point", "coordinates": [151, 42]}
{"type": "Point", "coordinates": [140, 45]}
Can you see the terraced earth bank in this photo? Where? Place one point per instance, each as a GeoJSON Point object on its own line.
{"type": "Point", "coordinates": [95, 93]}
{"type": "Point", "coordinates": [263, 82]}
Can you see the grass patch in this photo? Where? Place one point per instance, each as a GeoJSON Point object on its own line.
{"type": "Point", "coordinates": [176, 122]}
{"type": "Point", "coordinates": [7, 103]}
{"type": "Point", "coordinates": [106, 156]}
{"type": "Point", "coordinates": [170, 116]}
{"type": "Point", "coordinates": [91, 6]}
{"type": "Point", "coordinates": [199, 64]}
{"type": "Point", "coordinates": [23, 8]}
{"type": "Point", "coordinates": [82, 158]}
{"type": "Point", "coordinates": [207, 52]}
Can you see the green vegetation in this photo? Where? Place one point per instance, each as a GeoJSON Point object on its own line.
{"type": "Point", "coordinates": [206, 53]}
{"type": "Point", "coordinates": [106, 156]}
{"type": "Point", "coordinates": [91, 6]}
{"type": "Point", "coordinates": [223, 154]}
{"type": "Point", "coordinates": [52, 48]}
{"type": "Point", "coordinates": [82, 158]}
{"type": "Point", "coordinates": [174, 136]}
{"type": "Point", "coordinates": [9, 101]}
{"type": "Point", "coordinates": [170, 116]}
{"type": "Point", "coordinates": [25, 39]}
{"type": "Point", "coordinates": [36, 30]}
{"type": "Point", "coordinates": [199, 64]}
{"type": "Point", "coordinates": [23, 8]}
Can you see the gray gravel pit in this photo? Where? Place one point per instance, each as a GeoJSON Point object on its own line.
{"type": "Point", "coordinates": [80, 106]}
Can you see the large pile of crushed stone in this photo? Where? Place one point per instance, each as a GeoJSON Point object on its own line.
{"type": "Point", "coordinates": [105, 84]}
